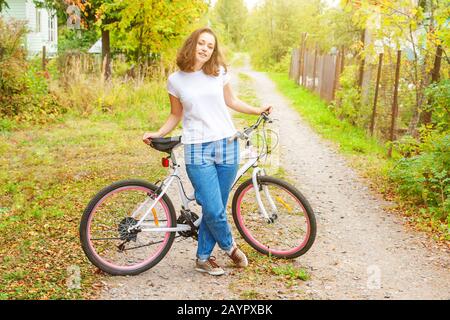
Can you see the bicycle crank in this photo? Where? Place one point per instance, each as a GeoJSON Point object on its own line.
{"type": "Point", "coordinates": [188, 217]}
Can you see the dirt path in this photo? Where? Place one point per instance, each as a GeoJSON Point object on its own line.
{"type": "Point", "coordinates": [361, 251]}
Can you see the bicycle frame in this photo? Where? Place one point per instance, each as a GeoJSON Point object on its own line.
{"type": "Point", "coordinates": [186, 200]}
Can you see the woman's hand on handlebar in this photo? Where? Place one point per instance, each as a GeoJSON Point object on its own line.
{"type": "Point", "coordinates": [267, 109]}
{"type": "Point", "coordinates": [148, 136]}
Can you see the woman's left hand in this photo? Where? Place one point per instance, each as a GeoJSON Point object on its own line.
{"type": "Point", "coordinates": [267, 109]}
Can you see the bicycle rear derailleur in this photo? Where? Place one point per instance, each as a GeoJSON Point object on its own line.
{"type": "Point", "coordinates": [188, 217]}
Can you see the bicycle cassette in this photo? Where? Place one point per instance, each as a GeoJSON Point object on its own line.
{"type": "Point", "coordinates": [124, 225]}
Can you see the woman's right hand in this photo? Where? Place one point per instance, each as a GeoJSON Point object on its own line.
{"type": "Point", "coordinates": [148, 136]}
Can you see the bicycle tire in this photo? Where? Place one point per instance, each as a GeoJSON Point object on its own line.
{"type": "Point", "coordinates": [86, 244]}
{"type": "Point", "coordinates": [248, 237]}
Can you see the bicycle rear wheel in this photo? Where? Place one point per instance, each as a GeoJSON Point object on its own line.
{"type": "Point", "coordinates": [292, 229]}
{"type": "Point", "coordinates": [104, 228]}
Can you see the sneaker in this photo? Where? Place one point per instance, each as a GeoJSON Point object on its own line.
{"type": "Point", "coordinates": [209, 266]}
{"type": "Point", "coordinates": [238, 257]}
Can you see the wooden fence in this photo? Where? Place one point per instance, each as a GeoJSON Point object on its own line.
{"type": "Point", "coordinates": [316, 71]}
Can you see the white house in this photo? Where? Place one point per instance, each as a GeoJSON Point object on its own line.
{"type": "Point", "coordinates": [42, 25]}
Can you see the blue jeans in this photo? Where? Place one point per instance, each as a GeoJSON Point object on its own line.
{"type": "Point", "coordinates": [212, 168]}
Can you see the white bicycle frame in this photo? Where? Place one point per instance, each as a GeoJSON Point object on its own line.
{"type": "Point", "coordinates": [185, 200]}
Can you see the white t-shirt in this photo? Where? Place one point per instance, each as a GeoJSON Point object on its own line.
{"type": "Point", "coordinates": [205, 115]}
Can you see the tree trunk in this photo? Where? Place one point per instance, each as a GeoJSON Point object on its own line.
{"type": "Point", "coordinates": [375, 99]}
{"type": "Point", "coordinates": [435, 76]}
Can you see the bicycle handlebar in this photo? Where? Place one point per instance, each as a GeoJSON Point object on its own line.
{"type": "Point", "coordinates": [245, 135]}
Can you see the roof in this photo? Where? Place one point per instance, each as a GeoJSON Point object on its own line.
{"type": "Point", "coordinates": [97, 47]}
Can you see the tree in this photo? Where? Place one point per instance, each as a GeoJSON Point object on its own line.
{"type": "Point", "coordinates": [276, 26]}
{"type": "Point", "coordinates": [232, 14]}
{"type": "Point", "coordinates": [143, 29]}
{"type": "Point", "coordinates": [420, 30]}
{"type": "Point", "coordinates": [3, 4]}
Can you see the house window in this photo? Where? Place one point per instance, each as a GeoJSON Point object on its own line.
{"type": "Point", "coordinates": [38, 20]}
{"type": "Point", "coordinates": [51, 28]}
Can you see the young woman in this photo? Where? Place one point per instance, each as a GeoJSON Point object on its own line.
{"type": "Point", "coordinates": [199, 93]}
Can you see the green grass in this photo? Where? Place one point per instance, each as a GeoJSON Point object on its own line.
{"type": "Point", "coordinates": [291, 272]}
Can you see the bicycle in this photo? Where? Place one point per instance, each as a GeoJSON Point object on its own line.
{"type": "Point", "coordinates": [130, 225]}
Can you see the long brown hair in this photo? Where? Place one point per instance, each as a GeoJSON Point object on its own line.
{"type": "Point", "coordinates": [186, 55]}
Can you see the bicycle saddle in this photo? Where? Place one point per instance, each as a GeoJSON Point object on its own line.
{"type": "Point", "coordinates": [165, 144]}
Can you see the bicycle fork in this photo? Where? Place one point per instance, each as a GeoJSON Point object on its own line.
{"type": "Point", "coordinates": [269, 218]}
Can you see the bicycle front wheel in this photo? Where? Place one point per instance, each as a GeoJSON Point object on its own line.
{"type": "Point", "coordinates": [105, 228]}
{"type": "Point", "coordinates": [290, 230]}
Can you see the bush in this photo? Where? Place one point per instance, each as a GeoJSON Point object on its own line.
{"type": "Point", "coordinates": [348, 97]}
{"type": "Point", "coordinates": [78, 40]}
{"type": "Point", "coordinates": [24, 92]}
{"type": "Point", "coordinates": [13, 67]}
{"type": "Point", "coordinates": [438, 95]}
{"type": "Point", "coordinates": [424, 178]}
{"type": "Point", "coordinates": [283, 65]}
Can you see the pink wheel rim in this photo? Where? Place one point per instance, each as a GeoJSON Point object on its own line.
{"type": "Point", "coordinates": [259, 244]}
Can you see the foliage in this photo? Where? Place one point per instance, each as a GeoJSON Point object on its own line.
{"type": "Point", "coordinates": [230, 16]}
{"type": "Point", "coordinates": [3, 5]}
{"type": "Point", "coordinates": [422, 175]}
{"type": "Point", "coordinates": [438, 95]}
{"type": "Point", "coordinates": [76, 40]}
{"type": "Point", "coordinates": [349, 96]}
{"type": "Point", "coordinates": [276, 26]}
{"type": "Point", "coordinates": [24, 94]}
{"type": "Point", "coordinates": [13, 64]}
{"type": "Point", "coordinates": [424, 178]}
{"type": "Point", "coordinates": [282, 65]}
{"type": "Point", "coordinates": [271, 31]}
{"type": "Point", "coordinates": [420, 31]}
{"type": "Point", "coordinates": [141, 29]}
